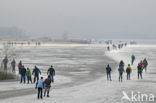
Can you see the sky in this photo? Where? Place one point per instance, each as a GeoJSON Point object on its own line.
{"type": "Point", "coordinates": [85, 19]}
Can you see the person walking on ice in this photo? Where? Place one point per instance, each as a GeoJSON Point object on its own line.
{"type": "Point", "coordinates": [40, 86]}
{"type": "Point", "coordinates": [5, 62]}
{"type": "Point", "coordinates": [121, 64]}
{"type": "Point", "coordinates": [132, 59]}
{"type": "Point", "coordinates": [51, 72]}
{"type": "Point", "coordinates": [139, 68]}
{"type": "Point", "coordinates": [128, 70]}
{"type": "Point", "coordinates": [108, 71]}
{"type": "Point", "coordinates": [121, 70]}
{"type": "Point", "coordinates": [13, 65]}
{"type": "Point", "coordinates": [36, 73]}
{"type": "Point", "coordinates": [28, 73]}
{"type": "Point", "coordinates": [23, 74]}
{"type": "Point", "coordinates": [145, 64]}
{"type": "Point", "coordinates": [47, 83]}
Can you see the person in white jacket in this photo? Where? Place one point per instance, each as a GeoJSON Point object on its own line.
{"type": "Point", "coordinates": [40, 86]}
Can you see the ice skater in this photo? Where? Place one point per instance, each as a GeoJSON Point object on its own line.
{"type": "Point", "coordinates": [13, 65]}
{"type": "Point", "coordinates": [145, 64]}
{"type": "Point", "coordinates": [132, 59]}
{"type": "Point", "coordinates": [108, 71]}
{"type": "Point", "coordinates": [51, 72]}
{"type": "Point", "coordinates": [23, 74]}
{"type": "Point", "coordinates": [47, 87]}
{"type": "Point", "coordinates": [28, 73]}
{"type": "Point", "coordinates": [139, 68]}
{"type": "Point", "coordinates": [121, 70]}
{"type": "Point", "coordinates": [36, 73]}
{"type": "Point", "coordinates": [5, 62]}
{"type": "Point", "coordinates": [40, 86]}
{"type": "Point", "coordinates": [128, 70]}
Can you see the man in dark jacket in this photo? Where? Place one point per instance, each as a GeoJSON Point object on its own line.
{"type": "Point", "coordinates": [51, 72]}
{"type": "Point", "coordinates": [5, 62]}
{"type": "Point", "coordinates": [121, 70]}
{"type": "Point", "coordinates": [36, 73]}
{"type": "Point", "coordinates": [121, 64]}
{"type": "Point", "coordinates": [47, 83]}
{"type": "Point", "coordinates": [132, 59]}
{"type": "Point", "coordinates": [139, 71]}
{"type": "Point", "coordinates": [23, 74]}
{"type": "Point", "coordinates": [108, 71]}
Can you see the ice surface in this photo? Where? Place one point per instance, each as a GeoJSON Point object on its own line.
{"type": "Point", "coordinates": [101, 90]}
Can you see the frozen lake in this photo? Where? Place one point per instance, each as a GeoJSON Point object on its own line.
{"type": "Point", "coordinates": [81, 74]}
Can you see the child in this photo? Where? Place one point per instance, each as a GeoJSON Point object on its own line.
{"type": "Point", "coordinates": [40, 86]}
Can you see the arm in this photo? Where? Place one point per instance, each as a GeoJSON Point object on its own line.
{"type": "Point", "coordinates": [39, 71]}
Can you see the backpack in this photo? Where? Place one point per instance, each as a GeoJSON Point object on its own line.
{"type": "Point", "coordinates": [47, 82]}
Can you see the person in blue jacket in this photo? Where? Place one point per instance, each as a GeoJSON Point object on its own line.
{"type": "Point", "coordinates": [36, 73]}
{"type": "Point", "coordinates": [40, 86]}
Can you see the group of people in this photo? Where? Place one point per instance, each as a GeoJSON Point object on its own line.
{"type": "Point", "coordinates": [45, 84]}
{"type": "Point", "coordinates": [141, 66]}
{"type": "Point", "coordinates": [115, 47]}
{"type": "Point", "coordinates": [26, 73]}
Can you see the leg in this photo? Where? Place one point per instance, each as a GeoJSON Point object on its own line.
{"type": "Point", "coordinates": [107, 76]}
{"type": "Point", "coordinates": [45, 90]}
{"type": "Point", "coordinates": [121, 77]}
{"type": "Point", "coordinates": [21, 79]}
{"type": "Point", "coordinates": [38, 93]}
{"type": "Point", "coordinates": [41, 92]}
{"type": "Point", "coordinates": [37, 78]}
{"type": "Point", "coordinates": [27, 79]}
{"type": "Point", "coordinates": [24, 79]}
{"type": "Point", "coordinates": [48, 91]}
{"type": "Point", "coordinates": [110, 76]}
{"type": "Point", "coordinates": [138, 75]}
{"type": "Point", "coordinates": [52, 78]}
{"type": "Point", "coordinates": [141, 75]}
{"type": "Point", "coordinates": [34, 79]}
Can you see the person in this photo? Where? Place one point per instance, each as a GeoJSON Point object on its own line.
{"type": "Point", "coordinates": [121, 64]}
{"type": "Point", "coordinates": [13, 65]}
{"type": "Point", "coordinates": [28, 73]}
{"type": "Point", "coordinates": [145, 64]}
{"type": "Point", "coordinates": [36, 73]}
{"type": "Point", "coordinates": [20, 66]}
{"type": "Point", "coordinates": [51, 72]}
{"type": "Point", "coordinates": [40, 86]}
{"type": "Point", "coordinates": [141, 64]}
{"type": "Point", "coordinates": [121, 70]}
{"type": "Point", "coordinates": [139, 71]}
{"type": "Point", "coordinates": [47, 83]}
{"type": "Point", "coordinates": [108, 48]}
{"type": "Point", "coordinates": [128, 70]}
{"type": "Point", "coordinates": [132, 59]}
{"type": "Point", "coordinates": [108, 71]}
{"type": "Point", "coordinates": [23, 74]}
{"type": "Point", "coordinates": [5, 62]}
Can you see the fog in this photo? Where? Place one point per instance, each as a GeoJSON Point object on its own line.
{"type": "Point", "coordinates": [81, 18]}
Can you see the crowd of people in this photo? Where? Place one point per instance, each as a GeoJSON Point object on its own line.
{"type": "Point", "coordinates": [142, 65]}
{"type": "Point", "coordinates": [26, 75]}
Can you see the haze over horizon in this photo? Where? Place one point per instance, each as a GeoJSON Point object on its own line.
{"type": "Point", "coordinates": [133, 19]}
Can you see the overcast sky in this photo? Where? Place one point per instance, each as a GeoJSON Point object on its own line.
{"type": "Point", "coordinates": [82, 18]}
